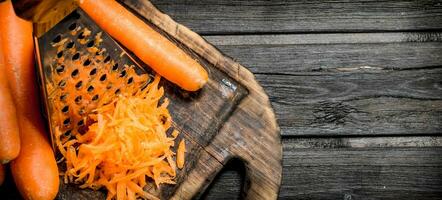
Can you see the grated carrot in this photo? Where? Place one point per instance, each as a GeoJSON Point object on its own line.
{"type": "Point", "coordinates": [126, 146]}
{"type": "Point", "coordinates": [180, 154]}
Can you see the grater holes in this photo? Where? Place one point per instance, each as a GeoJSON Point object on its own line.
{"type": "Point", "coordinates": [75, 15]}
{"type": "Point", "coordinates": [65, 109]}
{"type": "Point", "coordinates": [163, 119]}
{"type": "Point", "coordinates": [87, 62]}
{"type": "Point", "coordinates": [67, 133]}
{"type": "Point", "coordinates": [67, 122]}
{"type": "Point", "coordinates": [60, 54]}
{"type": "Point", "coordinates": [109, 86]}
{"type": "Point", "coordinates": [75, 73]}
{"type": "Point", "coordinates": [59, 69]}
{"type": "Point", "coordinates": [107, 59]}
{"type": "Point", "coordinates": [130, 80]}
{"type": "Point", "coordinates": [82, 111]}
{"type": "Point", "coordinates": [70, 45]}
{"type": "Point", "coordinates": [80, 123]}
{"type": "Point", "coordinates": [115, 67]}
{"type": "Point", "coordinates": [95, 97]}
{"type": "Point", "coordinates": [103, 77]}
{"type": "Point", "coordinates": [57, 39]}
{"type": "Point", "coordinates": [90, 44]}
{"type": "Point", "coordinates": [90, 88]}
{"type": "Point", "coordinates": [81, 35]}
{"type": "Point", "coordinates": [72, 26]}
{"type": "Point", "coordinates": [79, 84]}
{"type": "Point", "coordinates": [78, 99]}
{"type": "Point", "coordinates": [76, 56]}
{"type": "Point", "coordinates": [62, 84]}
{"type": "Point", "coordinates": [117, 92]}
{"type": "Point", "coordinates": [123, 73]}
{"type": "Point", "coordinates": [93, 71]}
{"type": "Point", "coordinates": [63, 97]}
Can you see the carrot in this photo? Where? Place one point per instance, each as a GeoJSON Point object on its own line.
{"type": "Point", "coordinates": [150, 46]}
{"type": "Point", "coordinates": [35, 170]}
{"type": "Point", "coordinates": [9, 134]}
{"type": "Point", "coordinates": [180, 154]}
{"type": "Point", "coordinates": [129, 143]}
{"type": "Point", "coordinates": [2, 174]}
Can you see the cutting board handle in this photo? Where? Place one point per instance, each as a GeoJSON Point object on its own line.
{"type": "Point", "coordinates": [259, 183]}
{"type": "Point", "coordinates": [258, 147]}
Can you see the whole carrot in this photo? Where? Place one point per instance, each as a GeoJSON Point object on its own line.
{"type": "Point", "coordinates": [9, 134]}
{"type": "Point", "coordinates": [150, 46]}
{"type": "Point", "coordinates": [35, 170]}
{"type": "Point", "coordinates": [2, 174]}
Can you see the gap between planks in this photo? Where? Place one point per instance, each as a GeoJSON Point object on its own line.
{"type": "Point", "coordinates": [291, 143]}
{"type": "Point", "coordinates": [324, 38]}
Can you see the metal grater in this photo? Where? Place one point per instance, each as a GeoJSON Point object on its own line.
{"type": "Point", "coordinates": [81, 68]}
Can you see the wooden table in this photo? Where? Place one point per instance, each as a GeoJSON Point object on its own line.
{"type": "Point", "coordinates": [356, 87]}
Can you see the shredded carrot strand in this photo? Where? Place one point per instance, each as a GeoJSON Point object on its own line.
{"type": "Point", "coordinates": [126, 146]}
{"type": "Point", "coordinates": [180, 154]}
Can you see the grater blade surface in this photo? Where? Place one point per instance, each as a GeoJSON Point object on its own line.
{"type": "Point", "coordinates": [81, 68]}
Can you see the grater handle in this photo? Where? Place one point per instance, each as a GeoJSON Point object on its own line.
{"type": "Point", "coordinates": [44, 13]}
{"type": "Point", "coordinates": [40, 11]}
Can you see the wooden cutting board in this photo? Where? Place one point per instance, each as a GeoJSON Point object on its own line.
{"type": "Point", "coordinates": [229, 118]}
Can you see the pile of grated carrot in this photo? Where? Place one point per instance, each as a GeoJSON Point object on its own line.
{"type": "Point", "coordinates": [125, 147]}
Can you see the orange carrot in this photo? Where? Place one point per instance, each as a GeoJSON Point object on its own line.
{"type": "Point", "coordinates": [127, 144]}
{"type": "Point", "coordinates": [150, 46]}
{"type": "Point", "coordinates": [34, 171]}
{"type": "Point", "coordinates": [2, 174]}
{"type": "Point", "coordinates": [9, 134]}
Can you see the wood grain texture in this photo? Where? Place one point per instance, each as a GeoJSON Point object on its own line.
{"type": "Point", "coordinates": [333, 70]}
{"type": "Point", "coordinates": [387, 173]}
{"type": "Point", "coordinates": [352, 168]}
{"type": "Point", "coordinates": [387, 103]}
{"type": "Point", "coordinates": [261, 16]}
{"type": "Point", "coordinates": [322, 38]}
{"type": "Point", "coordinates": [251, 126]}
{"type": "Point", "coordinates": [347, 84]}
{"type": "Point", "coordinates": [262, 56]}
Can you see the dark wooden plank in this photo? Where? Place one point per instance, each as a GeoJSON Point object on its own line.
{"type": "Point", "coordinates": [352, 168]}
{"type": "Point", "coordinates": [393, 173]}
{"type": "Point", "coordinates": [347, 84]}
{"type": "Point", "coordinates": [367, 113]}
{"type": "Point", "coordinates": [287, 54]}
{"type": "Point", "coordinates": [243, 16]}
{"type": "Point", "coordinates": [357, 143]}
{"type": "Point", "coordinates": [393, 102]}
{"type": "Point", "coordinates": [323, 38]}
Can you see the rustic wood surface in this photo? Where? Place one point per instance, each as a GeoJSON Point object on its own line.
{"type": "Point", "coordinates": [355, 85]}
{"type": "Point", "coordinates": [282, 16]}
